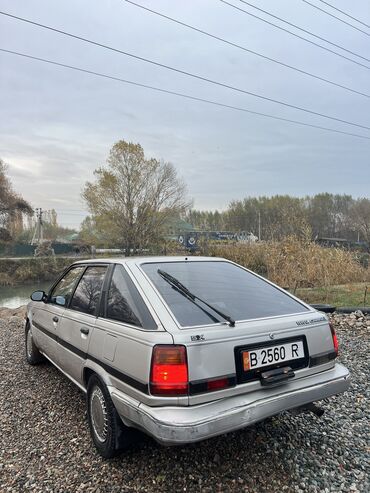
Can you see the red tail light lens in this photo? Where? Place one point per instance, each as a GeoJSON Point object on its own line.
{"type": "Point", "coordinates": [169, 371]}
{"type": "Point", "coordinates": [335, 339]}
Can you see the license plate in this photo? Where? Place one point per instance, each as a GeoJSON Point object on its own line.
{"type": "Point", "coordinates": [258, 358]}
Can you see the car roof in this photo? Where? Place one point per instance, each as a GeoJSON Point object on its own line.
{"type": "Point", "coordinates": [143, 260]}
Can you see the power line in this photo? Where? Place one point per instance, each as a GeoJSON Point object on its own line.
{"type": "Point", "coordinates": [344, 13]}
{"type": "Point", "coordinates": [235, 45]}
{"type": "Point", "coordinates": [192, 75]}
{"type": "Point", "coordinates": [304, 30]}
{"type": "Point", "coordinates": [292, 33]}
{"type": "Point", "coordinates": [182, 95]}
{"type": "Point", "coordinates": [335, 17]}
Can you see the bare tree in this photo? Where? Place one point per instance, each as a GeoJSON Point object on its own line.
{"type": "Point", "coordinates": [12, 205]}
{"type": "Point", "coordinates": [133, 198]}
{"type": "Point", "coordinates": [360, 216]}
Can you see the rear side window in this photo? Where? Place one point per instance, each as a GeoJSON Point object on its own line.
{"type": "Point", "coordinates": [229, 288]}
{"type": "Point", "coordinates": [87, 294]}
{"type": "Point", "coordinates": [64, 289]}
{"type": "Point", "coordinates": [124, 302]}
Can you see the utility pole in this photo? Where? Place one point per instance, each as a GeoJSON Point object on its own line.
{"type": "Point", "coordinates": [38, 235]}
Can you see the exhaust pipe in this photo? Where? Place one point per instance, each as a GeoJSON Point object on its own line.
{"type": "Point", "coordinates": [312, 407]}
{"type": "Point", "coordinates": [315, 409]}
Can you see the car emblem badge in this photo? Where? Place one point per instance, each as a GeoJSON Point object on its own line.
{"type": "Point", "coordinates": [271, 335]}
{"type": "Point", "coordinates": [198, 338]}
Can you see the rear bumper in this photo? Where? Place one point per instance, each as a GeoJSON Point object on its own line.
{"type": "Point", "coordinates": [179, 425]}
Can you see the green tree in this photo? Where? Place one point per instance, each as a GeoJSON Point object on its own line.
{"type": "Point", "coordinates": [322, 215]}
{"type": "Point", "coordinates": [133, 198]}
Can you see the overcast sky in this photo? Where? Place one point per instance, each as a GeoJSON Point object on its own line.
{"type": "Point", "coordinates": [57, 126]}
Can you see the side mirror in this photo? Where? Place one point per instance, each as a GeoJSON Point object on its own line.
{"type": "Point", "coordinates": [60, 300]}
{"type": "Point", "coordinates": [38, 296]}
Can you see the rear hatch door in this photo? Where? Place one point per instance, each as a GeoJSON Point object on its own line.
{"type": "Point", "coordinates": [242, 354]}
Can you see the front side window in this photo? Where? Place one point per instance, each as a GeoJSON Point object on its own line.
{"type": "Point", "coordinates": [227, 287]}
{"type": "Point", "coordinates": [62, 292]}
{"type": "Point", "coordinates": [87, 294]}
{"type": "Point", "coordinates": [124, 302]}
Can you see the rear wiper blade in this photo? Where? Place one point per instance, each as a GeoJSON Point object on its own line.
{"type": "Point", "coordinates": [176, 284]}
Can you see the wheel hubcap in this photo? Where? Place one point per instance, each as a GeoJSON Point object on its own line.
{"type": "Point", "coordinates": [99, 415]}
{"type": "Point", "coordinates": [29, 344]}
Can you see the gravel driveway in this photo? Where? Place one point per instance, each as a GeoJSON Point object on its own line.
{"type": "Point", "coordinates": [45, 444]}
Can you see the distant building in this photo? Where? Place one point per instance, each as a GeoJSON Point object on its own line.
{"type": "Point", "coordinates": [342, 243]}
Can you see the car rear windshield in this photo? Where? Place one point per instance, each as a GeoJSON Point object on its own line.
{"type": "Point", "coordinates": [229, 288]}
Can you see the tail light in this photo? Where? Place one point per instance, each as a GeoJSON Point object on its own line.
{"type": "Point", "coordinates": [169, 371]}
{"type": "Point", "coordinates": [335, 339]}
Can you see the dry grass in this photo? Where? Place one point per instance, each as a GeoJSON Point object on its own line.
{"type": "Point", "coordinates": [294, 264]}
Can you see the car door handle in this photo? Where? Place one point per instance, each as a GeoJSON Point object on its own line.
{"type": "Point", "coordinates": [84, 330]}
{"type": "Point", "coordinates": [55, 319]}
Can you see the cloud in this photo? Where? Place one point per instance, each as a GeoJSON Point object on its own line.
{"type": "Point", "coordinates": [57, 125]}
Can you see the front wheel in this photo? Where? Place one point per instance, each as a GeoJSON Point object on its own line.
{"type": "Point", "coordinates": [109, 434]}
{"type": "Point", "coordinates": [33, 355]}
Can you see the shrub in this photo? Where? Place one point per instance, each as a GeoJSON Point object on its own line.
{"type": "Point", "coordinates": [16, 271]}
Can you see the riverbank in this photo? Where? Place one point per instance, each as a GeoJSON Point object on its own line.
{"type": "Point", "coordinates": [7, 314]}
{"type": "Point", "coordinates": [32, 270]}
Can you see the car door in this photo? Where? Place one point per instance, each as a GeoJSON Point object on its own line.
{"type": "Point", "coordinates": [77, 323]}
{"type": "Point", "coordinates": [46, 316]}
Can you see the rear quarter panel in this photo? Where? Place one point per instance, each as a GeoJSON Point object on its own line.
{"type": "Point", "coordinates": [128, 350]}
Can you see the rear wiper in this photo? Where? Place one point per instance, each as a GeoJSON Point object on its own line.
{"type": "Point", "coordinates": [176, 284]}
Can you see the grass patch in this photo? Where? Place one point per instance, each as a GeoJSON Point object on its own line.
{"type": "Point", "coordinates": [341, 295]}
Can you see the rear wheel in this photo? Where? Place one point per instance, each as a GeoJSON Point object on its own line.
{"type": "Point", "coordinates": [109, 434]}
{"type": "Point", "coordinates": [33, 355]}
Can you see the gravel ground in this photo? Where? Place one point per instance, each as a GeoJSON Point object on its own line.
{"type": "Point", "coordinates": [45, 444]}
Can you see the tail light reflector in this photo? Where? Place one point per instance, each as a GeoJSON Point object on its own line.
{"type": "Point", "coordinates": [219, 384]}
{"type": "Point", "coordinates": [169, 371]}
{"type": "Point", "coordinates": [335, 339]}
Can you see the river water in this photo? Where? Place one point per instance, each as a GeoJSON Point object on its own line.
{"type": "Point", "coordinates": [12, 297]}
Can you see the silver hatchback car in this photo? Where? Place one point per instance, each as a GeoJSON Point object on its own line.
{"type": "Point", "coordinates": [182, 348]}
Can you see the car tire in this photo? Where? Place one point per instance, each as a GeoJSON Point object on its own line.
{"type": "Point", "coordinates": [33, 355]}
{"type": "Point", "coordinates": [109, 434]}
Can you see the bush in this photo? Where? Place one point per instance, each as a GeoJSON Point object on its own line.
{"type": "Point", "coordinates": [16, 271]}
